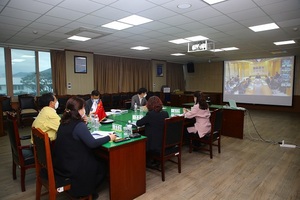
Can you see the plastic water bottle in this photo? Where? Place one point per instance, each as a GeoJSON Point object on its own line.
{"type": "Point", "coordinates": [96, 123]}
{"type": "Point", "coordinates": [129, 128]}
{"type": "Point", "coordinates": [135, 107]}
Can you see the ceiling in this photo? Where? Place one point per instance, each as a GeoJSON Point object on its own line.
{"type": "Point", "coordinates": [44, 24]}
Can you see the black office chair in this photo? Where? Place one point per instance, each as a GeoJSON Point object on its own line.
{"type": "Point", "coordinates": [211, 139]}
{"type": "Point", "coordinates": [27, 108]}
{"type": "Point", "coordinates": [5, 102]}
{"type": "Point", "coordinates": [171, 144]}
{"type": "Point", "coordinates": [22, 155]}
{"type": "Point", "coordinates": [45, 175]}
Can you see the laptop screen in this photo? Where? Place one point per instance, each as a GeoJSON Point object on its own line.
{"type": "Point", "coordinates": [232, 103]}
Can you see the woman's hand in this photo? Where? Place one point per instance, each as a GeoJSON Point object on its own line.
{"type": "Point", "coordinates": [112, 137]}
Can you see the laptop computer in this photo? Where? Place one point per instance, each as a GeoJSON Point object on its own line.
{"type": "Point", "coordinates": [232, 104]}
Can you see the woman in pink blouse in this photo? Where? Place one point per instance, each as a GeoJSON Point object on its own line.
{"type": "Point", "coordinates": [201, 113]}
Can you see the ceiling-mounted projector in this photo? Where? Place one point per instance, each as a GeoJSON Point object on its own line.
{"type": "Point", "coordinates": [202, 45]}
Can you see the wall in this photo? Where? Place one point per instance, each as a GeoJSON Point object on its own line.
{"type": "Point", "coordinates": [81, 83]}
{"type": "Point", "coordinates": [207, 77]}
{"type": "Point", "coordinates": [158, 81]}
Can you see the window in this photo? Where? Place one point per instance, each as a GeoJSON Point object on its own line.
{"type": "Point", "coordinates": [45, 79]}
{"type": "Point", "coordinates": [24, 72]}
{"type": "Point", "coordinates": [3, 90]}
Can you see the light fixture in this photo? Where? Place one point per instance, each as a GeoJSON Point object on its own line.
{"type": "Point", "coordinates": [117, 25]}
{"type": "Point", "coordinates": [179, 41]}
{"type": "Point", "coordinates": [140, 48]}
{"type": "Point", "coordinates": [196, 38]}
{"type": "Point", "coordinates": [264, 27]}
{"type": "Point", "coordinates": [229, 48]}
{"type": "Point", "coordinates": [177, 54]}
{"type": "Point", "coordinates": [213, 1]}
{"type": "Point", "coordinates": [278, 52]}
{"type": "Point", "coordinates": [78, 38]}
{"type": "Point", "coordinates": [184, 6]}
{"type": "Point", "coordinates": [216, 50]}
{"type": "Point", "coordinates": [285, 42]}
{"type": "Point", "coordinates": [135, 20]}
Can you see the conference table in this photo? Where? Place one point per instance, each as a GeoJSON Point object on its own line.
{"type": "Point", "coordinates": [233, 120]}
{"type": "Point", "coordinates": [127, 159]}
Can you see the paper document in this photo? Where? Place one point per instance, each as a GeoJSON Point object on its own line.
{"type": "Point", "coordinates": [101, 134]}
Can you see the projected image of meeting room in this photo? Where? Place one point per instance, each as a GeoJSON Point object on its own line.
{"type": "Point", "coordinates": [259, 81]}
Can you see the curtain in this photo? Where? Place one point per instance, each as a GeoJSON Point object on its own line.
{"type": "Point", "coordinates": [116, 75]}
{"type": "Point", "coordinates": [58, 69]}
{"type": "Point", "coordinates": [175, 77]}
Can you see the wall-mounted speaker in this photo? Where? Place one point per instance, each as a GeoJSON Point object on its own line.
{"type": "Point", "coordinates": [190, 67]}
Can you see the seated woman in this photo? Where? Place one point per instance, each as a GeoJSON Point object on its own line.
{"type": "Point", "coordinates": [201, 113]}
{"type": "Point", "coordinates": [73, 154]}
{"type": "Point", "coordinates": [154, 125]}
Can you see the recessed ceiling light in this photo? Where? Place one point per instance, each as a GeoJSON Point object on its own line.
{"type": "Point", "coordinates": [264, 27]}
{"type": "Point", "coordinates": [196, 38]}
{"type": "Point", "coordinates": [177, 54]}
{"type": "Point", "coordinates": [216, 50]}
{"type": "Point", "coordinates": [179, 41]}
{"type": "Point", "coordinates": [135, 20]}
{"type": "Point", "coordinates": [78, 38]}
{"type": "Point", "coordinates": [229, 48]}
{"type": "Point", "coordinates": [285, 42]}
{"type": "Point", "coordinates": [117, 25]}
{"type": "Point", "coordinates": [278, 52]}
{"type": "Point", "coordinates": [140, 48]}
{"type": "Point", "coordinates": [213, 1]}
{"type": "Point", "coordinates": [184, 6]}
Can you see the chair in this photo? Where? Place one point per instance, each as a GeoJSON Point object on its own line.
{"type": "Point", "coordinates": [27, 107]}
{"type": "Point", "coordinates": [5, 107]}
{"type": "Point", "coordinates": [22, 156]}
{"type": "Point", "coordinates": [171, 144]}
{"type": "Point", "coordinates": [45, 175]}
{"type": "Point", "coordinates": [211, 138]}
{"type": "Point", "coordinates": [62, 100]}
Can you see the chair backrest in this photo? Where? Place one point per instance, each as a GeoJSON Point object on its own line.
{"type": "Point", "coordinates": [216, 120]}
{"type": "Point", "coordinates": [6, 103]}
{"type": "Point", "coordinates": [42, 155]}
{"type": "Point", "coordinates": [26, 101]}
{"type": "Point", "coordinates": [173, 132]}
{"type": "Point", "coordinates": [14, 137]}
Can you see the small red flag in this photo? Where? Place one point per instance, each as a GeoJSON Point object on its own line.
{"type": "Point", "coordinates": [100, 111]}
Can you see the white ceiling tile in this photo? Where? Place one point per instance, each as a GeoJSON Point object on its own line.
{"type": "Point", "coordinates": [280, 7]}
{"type": "Point", "coordinates": [106, 13]}
{"type": "Point", "coordinates": [203, 13]}
{"type": "Point", "coordinates": [41, 26]}
{"type": "Point", "coordinates": [53, 20]}
{"type": "Point", "coordinates": [134, 6]}
{"type": "Point", "coordinates": [247, 14]}
{"type": "Point", "coordinates": [30, 5]}
{"type": "Point", "coordinates": [81, 6]}
{"type": "Point", "coordinates": [177, 20]}
{"type": "Point", "coordinates": [234, 6]}
{"type": "Point", "coordinates": [93, 20]}
{"type": "Point", "coordinates": [215, 21]}
{"type": "Point", "coordinates": [20, 14]}
{"type": "Point", "coordinates": [14, 21]}
{"type": "Point", "coordinates": [65, 13]}
{"type": "Point", "coordinates": [157, 13]}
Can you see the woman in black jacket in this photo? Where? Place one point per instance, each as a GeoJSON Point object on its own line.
{"type": "Point", "coordinates": [73, 155]}
{"type": "Point", "coordinates": [154, 125]}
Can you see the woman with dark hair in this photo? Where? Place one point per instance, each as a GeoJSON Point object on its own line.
{"type": "Point", "coordinates": [201, 113]}
{"type": "Point", "coordinates": [73, 155]}
{"type": "Point", "coordinates": [154, 124]}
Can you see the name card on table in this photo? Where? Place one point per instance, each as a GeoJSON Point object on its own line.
{"type": "Point", "coordinates": [117, 127]}
{"type": "Point", "coordinates": [137, 117]}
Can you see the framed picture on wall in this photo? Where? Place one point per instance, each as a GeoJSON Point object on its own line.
{"type": "Point", "coordinates": [159, 70]}
{"type": "Point", "coordinates": [80, 64]}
